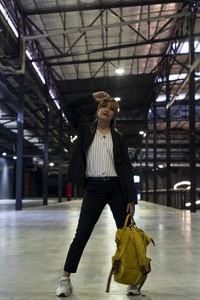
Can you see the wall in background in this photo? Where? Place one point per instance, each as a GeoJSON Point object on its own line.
{"type": "Point", "coordinates": [6, 178]}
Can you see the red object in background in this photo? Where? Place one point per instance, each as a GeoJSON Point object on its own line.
{"type": "Point", "coordinates": [69, 190]}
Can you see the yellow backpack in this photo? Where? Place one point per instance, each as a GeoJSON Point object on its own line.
{"type": "Point", "coordinates": [129, 264]}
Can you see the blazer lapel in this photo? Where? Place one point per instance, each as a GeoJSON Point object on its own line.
{"type": "Point", "coordinates": [89, 136]}
{"type": "Point", "coordinates": [115, 144]}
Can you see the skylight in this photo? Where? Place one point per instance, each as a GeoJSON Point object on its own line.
{"type": "Point", "coordinates": [29, 55]}
{"type": "Point", "coordinates": [162, 98]}
{"type": "Point", "coordinates": [184, 47]}
{"type": "Point", "coordinates": [4, 13]}
{"type": "Point", "coordinates": [181, 76]}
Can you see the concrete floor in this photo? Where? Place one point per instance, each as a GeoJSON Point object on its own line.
{"type": "Point", "coordinates": [34, 242]}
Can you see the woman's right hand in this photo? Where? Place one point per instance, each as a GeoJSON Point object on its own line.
{"type": "Point", "coordinates": [98, 96]}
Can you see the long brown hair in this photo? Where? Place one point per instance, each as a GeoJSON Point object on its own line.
{"type": "Point", "coordinates": [115, 107]}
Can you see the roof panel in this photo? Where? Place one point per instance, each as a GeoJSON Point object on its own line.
{"type": "Point", "coordinates": [93, 40]}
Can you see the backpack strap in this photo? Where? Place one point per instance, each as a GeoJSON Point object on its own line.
{"type": "Point", "coordinates": [144, 277]}
{"type": "Point", "coordinates": [109, 280]}
{"type": "Point", "coordinates": [116, 262]}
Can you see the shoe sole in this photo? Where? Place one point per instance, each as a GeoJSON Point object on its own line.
{"type": "Point", "coordinates": [63, 295]}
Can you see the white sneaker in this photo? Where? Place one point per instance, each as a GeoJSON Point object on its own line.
{"type": "Point", "coordinates": [65, 287]}
{"type": "Point", "coordinates": [133, 290]}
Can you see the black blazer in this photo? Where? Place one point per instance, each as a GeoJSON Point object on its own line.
{"type": "Point", "coordinates": [81, 114]}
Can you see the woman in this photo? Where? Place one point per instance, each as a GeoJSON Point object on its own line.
{"type": "Point", "coordinates": [104, 170]}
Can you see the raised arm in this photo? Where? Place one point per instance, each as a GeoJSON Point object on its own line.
{"type": "Point", "coordinates": [84, 109]}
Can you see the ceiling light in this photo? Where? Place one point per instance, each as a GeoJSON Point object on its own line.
{"type": "Point", "coordinates": [4, 154]}
{"type": "Point", "coordinates": [189, 203]}
{"type": "Point", "coordinates": [119, 71]}
{"type": "Point", "coordinates": [161, 98]}
{"type": "Point", "coordinates": [181, 183]}
{"type": "Point", "coordinates": [51, 164]}
{"type": "Point", "coordinates": [141, 132]}
{"type": "Point", "coordinates": [117, 99]}
{"type": "Point", "coordinates": [136, 178]}
{"type": "Point", "coordinates": [14, 157]}
{"type": "Point", "coordinates": [73, 138]}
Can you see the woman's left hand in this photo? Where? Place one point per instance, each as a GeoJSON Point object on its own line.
{"type": "Point", "coordinates": [130, 208]}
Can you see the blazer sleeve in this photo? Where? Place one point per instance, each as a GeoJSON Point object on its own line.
{"type": "Point", "coordinates": [80, 111]}
{"type": "Point", "coordinates": [128, 172]}
{"type": "Point", "coordinates": [124, 154]}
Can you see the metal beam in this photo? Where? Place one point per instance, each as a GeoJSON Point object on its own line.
{"type": "Point", "coordinates": [105, 59]}
{"type": "Point", "coordinates": [19, 162]}
{"type": "Point", "coordinates": [48, 39]}
{"type": "Point", "coordinates": [155, 152]}
{"type": "Point", "coordinates": [168, 136]}
{"type": "Point", "coordinates": [60, 163]}
{"type": "Point", "coordinates": [99, 27]}
{"type": "Point", "coordinates": [46, 158]}
{"type": "Point", "coordinates": [94, 6]}
{"type": "Point", "coordinates": [146, 157]}
{"type": "Point", "coordinates": [143, 43]}
{"type": "Point", "coordinates": [191, 71]}
{"type": "Point", "coordinates": [131, 27]}
{"type": "Point", "coordinates": [192, 116]}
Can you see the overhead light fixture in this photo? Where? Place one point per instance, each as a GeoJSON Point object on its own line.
{"type": "Point", "coordinates": [141, 132]}
{"type": "Point", "coordinates": [40, 162]}
{"type": "Point", "coordinates": [160, 166]}
{"type": "Point", "coordinates": [51, 164]}
{"type": "Point", "coordinates": [187, 204]}
{"type": "Point", "coordinates": [119, 71]}
{"type": "Point", "coordinates": [4, 154]}
{"type": "Point", "coordinates": [117, 99]}
{"type": "Point", "coordinates": [181, 183]}
{"type": "Point", "coordinates": [73, 138]}
{"type": "Point", "coordinates": [14, 157]}
{"type": "Point", "coordinates": [136, 178]}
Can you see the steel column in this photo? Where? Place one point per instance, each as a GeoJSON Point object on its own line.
{"type": "Point", "coordinates": [60, 176]}
{"type": "Point", "coordinates": [141, 186]}
{"type": "Point", "coordinates": [192, 115]}
{"type": "Point", "coordinates": [19, 154]}
{"type": "Point", "coordinates": [154, 152]}
{"type": "Point", "coordinates": [147, 156]}
{"type": "Point", "coordinates": [46, 158]}
{"type": "Point", "coordinates": [168, 138]}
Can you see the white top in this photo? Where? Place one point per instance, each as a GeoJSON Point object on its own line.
{"type": "Point", "coordinates": [99, 157]}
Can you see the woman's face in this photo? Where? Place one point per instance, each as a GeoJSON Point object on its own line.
{"type": "Point", "coordinates": [106, 112]}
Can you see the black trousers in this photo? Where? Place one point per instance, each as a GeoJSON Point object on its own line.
{"type": "Point", "coordinates": [98, 193]}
